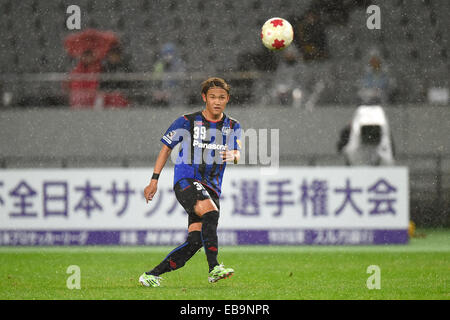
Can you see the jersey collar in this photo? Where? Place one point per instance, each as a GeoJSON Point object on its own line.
{"type": "Point", "coordinates": [214, 121]}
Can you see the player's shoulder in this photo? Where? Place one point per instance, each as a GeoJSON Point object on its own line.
{"type": "Point", "coordinates": [233, 122]}
{"type": "Point", "coordinates": [185, 119]}
{"type": "Point", "coordinates": [233, 119]}
{"type": "Point", "coordinates": [191, 116]}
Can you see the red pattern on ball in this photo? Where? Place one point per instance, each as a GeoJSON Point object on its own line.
{"type": "Point", "coordinates": [277, 22]}
{"type": "Point", "coordinates": [277, 44]}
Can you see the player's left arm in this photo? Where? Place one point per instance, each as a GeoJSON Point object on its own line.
{"type": "Point", "coordinates": [233, 151]}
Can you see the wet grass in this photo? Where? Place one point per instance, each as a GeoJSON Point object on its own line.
{"type": "Point", "coordinates": [419, 270]}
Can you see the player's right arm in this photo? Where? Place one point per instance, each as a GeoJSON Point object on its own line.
{"type": "Point", "coordinates": [174, 134]}
{"type": "Point", "coordinates": [152, 187]}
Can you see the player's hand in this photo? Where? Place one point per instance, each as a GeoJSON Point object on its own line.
{"type": "Point", "coordinates": [227, 156]}
{"type": "Point", "coordinates": [150, 190]}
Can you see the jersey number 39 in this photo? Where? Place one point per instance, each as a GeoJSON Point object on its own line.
{"type": "Point", "coordinates": [200, 132]}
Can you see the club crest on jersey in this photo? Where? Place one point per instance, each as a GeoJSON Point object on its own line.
{"type": "Point", "coordinates": [226, 130]}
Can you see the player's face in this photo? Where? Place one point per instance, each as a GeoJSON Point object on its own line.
{"type": "Point", "coordinates": [216, 99]}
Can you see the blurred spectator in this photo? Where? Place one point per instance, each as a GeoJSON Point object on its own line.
{"type": "Point", "coordinates": [367, 141]}
{"type": "Point", "coordinates": [311, 37]}
{"type": "Point", "coordinates": [262, 60]}
{"type": "Point", "coordinates": [293, 82]}
{"type": "Point", "coordinates": [169, 72]}
{"type": "Point", "coordinates": [112, 91]}
{"type": "Point", "coordinates": [333, 12]}
{"type": "Point", "coordinates": [376, 86]}
{"type": "Point", "coordinates": [83, 83]}
{"type": "Point", "coordinates": [90, 47]}
{"type": "Point", "coordinates": [286, 87]}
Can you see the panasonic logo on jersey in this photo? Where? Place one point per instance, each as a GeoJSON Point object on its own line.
{"type": "Point", "coordinates": [211, 146]}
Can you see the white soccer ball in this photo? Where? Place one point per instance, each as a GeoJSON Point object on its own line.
{"type": "Point", "coordinates": [277, 34]}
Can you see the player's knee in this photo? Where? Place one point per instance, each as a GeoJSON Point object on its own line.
{"type": "Point", "coordinates": [211, 218]}
{"type": "Point", "coordinates": [206, 206]}
{"type": "Point", "coordinates": [195, 240]}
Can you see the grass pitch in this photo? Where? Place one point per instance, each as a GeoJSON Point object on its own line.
{"type": "Point", "coordinates": [419, 270]}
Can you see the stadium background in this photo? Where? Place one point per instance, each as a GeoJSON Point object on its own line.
{"type": "Point", "coordinates": [39, 130]}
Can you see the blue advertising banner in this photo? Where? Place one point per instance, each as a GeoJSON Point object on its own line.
{"type": "Point", "coordinates": [294, 205]}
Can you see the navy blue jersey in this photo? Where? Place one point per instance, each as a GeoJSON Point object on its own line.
{"type": "Point", "coordinates": [201, 143]}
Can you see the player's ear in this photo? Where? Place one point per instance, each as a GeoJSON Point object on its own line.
{"type": "Point", "coordinates": [204, 97]}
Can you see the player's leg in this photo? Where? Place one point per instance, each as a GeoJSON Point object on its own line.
{"type": "Point", "coordinates": [178, 257]}
{"type": "Point", "coordinates": [209, 213]}
{"type": "Point", "coordinates": [203, 212]}
{"type": "Point", "coordinates": [199, 205]}
{"type": "Point", "coordinates": [203, 220]}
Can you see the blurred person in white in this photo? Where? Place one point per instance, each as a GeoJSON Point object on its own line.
{"type": "Point", "coordinates": [376, 85]}
{"type": "Point", "coordinates": [367, 141]}
{"type": "Point", "coordinates": [169, 72]}
{"type": "Point", "coordinates": [295, 82]}
{"type": "Point", "coordinates": [287, 87]}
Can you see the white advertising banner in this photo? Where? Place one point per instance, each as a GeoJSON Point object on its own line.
{"type": "Point", "coordinates": [293, 205]}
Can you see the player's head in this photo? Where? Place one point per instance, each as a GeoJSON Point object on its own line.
{"type": "Point", "coordinates": [215, 82]}
{"type": "Point", "coordinates": [216, 94]}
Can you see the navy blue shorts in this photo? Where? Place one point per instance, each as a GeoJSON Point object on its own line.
{"type": "Point", "coordinates": [188, 191]}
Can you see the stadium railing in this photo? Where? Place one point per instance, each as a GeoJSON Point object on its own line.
{"type": "Point", "coordinates": [45, 87]}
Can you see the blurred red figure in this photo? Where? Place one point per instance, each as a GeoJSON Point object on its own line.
{"type": "Point", "coordinates": [83, 83]}
{"type": "Point", "coordinates": [90, 47]}
{"type": "Point", "coordinates": [114, 100]}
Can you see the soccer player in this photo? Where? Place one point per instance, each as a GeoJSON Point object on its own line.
{"type": "Point", "coordinates": [209, 139]}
